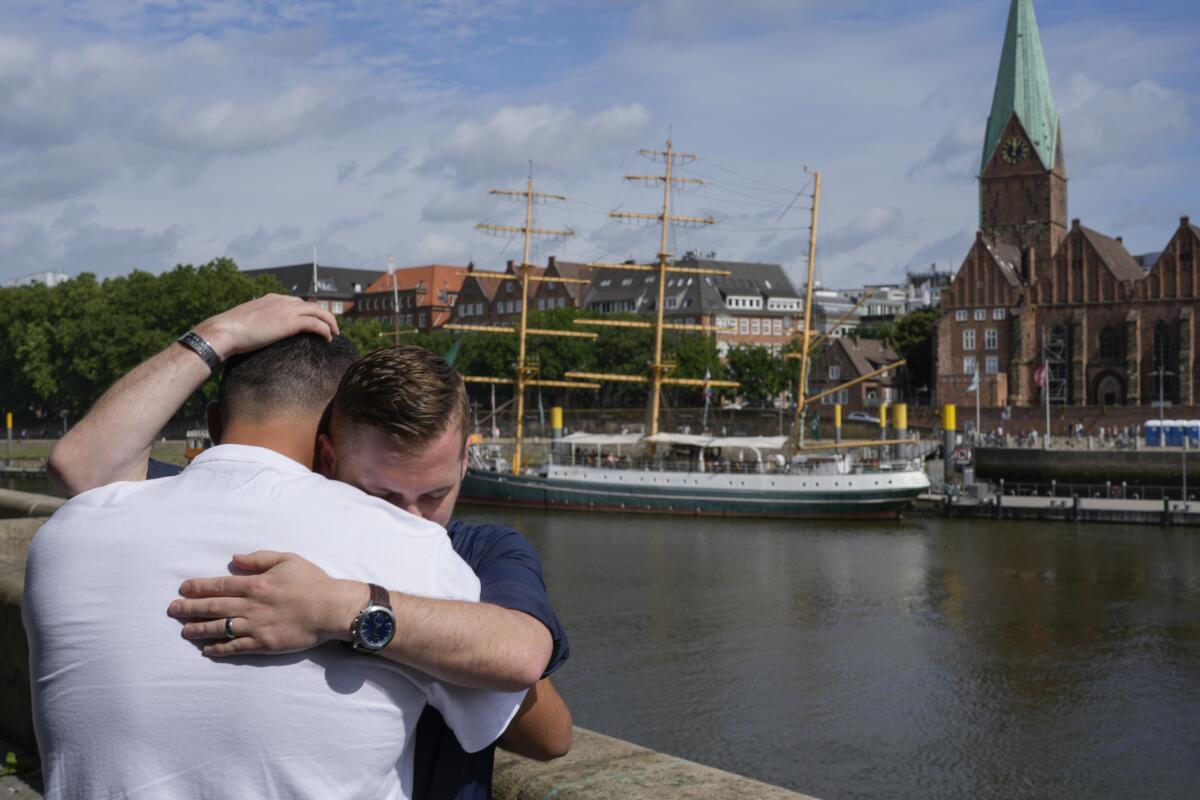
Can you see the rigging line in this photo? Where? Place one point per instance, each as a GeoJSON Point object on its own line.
{"type": "Point", "coordinates": [750, 178]}
{"type": "Point", "coordinates": [692, 170]}
{"type": "Point", "coordinates": [732, 227]}
{"type": "Point", "coordinates": [719, 199]}
{"type": "Point", "coordinates": [732, 189]}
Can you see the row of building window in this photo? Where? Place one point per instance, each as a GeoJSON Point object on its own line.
{"type": "Point", "coordinates": [991, 365]}
{"type": "Point", "coordinates": [981, 314]}
{"type": "Point", "coordinates": [551, 302]}
{"type": "Point", "coordinates": [762, 327]}
{"type": "Point", "coordinates": [991, 339]}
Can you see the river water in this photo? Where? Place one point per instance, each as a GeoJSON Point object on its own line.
{"type": "Point", "coordinates": [924, 659]}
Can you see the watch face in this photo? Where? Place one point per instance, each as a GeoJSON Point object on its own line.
{"type": "Point", "coordinates": [1014, 150]}
{"type": "Point", "coordinates": [376, 628]}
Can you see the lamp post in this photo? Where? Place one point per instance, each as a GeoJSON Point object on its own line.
{"type": "Point", "coordinates": [1161, 374]}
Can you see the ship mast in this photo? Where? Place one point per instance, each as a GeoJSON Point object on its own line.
{"type": "Point", "coordinates": [808, 293]}
{"type": "Point", "coordinates": [524, 371]}
{"type": "Point", "coordinates": [658, 368]}
{"type": "Point", "coordinates": [810, 339]}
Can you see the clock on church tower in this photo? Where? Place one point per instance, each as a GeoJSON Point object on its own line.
{"type": "Point", "coordinates": [1022, 177]}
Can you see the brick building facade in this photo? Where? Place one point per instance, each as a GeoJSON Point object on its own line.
{"type": "Point", "coordinates": [1110, 328]}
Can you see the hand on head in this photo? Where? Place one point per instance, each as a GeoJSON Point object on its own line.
{"type": "Point", "coordinates": [263, 321]}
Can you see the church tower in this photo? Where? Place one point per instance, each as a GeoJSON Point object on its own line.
{"type": "Point", "coordinates": [1022, 178]}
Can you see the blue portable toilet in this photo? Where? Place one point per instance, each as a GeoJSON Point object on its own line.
{"type": "Point", "coordinates": [1174, 432]}
{"type": "Point", "coordinates": [1193, 432]}
{"type": "Point", "coordinates": [1154, 436]}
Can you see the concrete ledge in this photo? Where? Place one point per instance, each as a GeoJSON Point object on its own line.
{"type": "Point", "coordinates": [600, 767]}
{"type": "Point", "coordinates": [28, 504]}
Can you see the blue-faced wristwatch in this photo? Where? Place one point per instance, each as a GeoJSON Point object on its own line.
{"type": "Point", "coordinates": [375, 625]}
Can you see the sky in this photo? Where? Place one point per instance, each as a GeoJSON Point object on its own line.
{"type": "Point", "coordinates": [140, 135]}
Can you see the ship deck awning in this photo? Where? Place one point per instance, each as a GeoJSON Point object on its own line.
{"type": "Point", "coordinates": [583, 439]}
{"type": "Point", "coordinates": [709, 442]}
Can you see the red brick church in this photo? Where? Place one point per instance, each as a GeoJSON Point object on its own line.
{"type": "Point", "coordinates": [1110, 327]}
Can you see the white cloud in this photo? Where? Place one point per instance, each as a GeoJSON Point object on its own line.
{"type": "Point", "coordinates": [873, 225]}
{"type": "Point", "coordinates": [556, 137]}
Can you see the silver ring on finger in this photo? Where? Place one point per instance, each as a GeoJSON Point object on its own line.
{"type": "Point", "coordinates": [229, 627]}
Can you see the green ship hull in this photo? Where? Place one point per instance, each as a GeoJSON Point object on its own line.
{"type": "Point", "coordinates": [855, 498]}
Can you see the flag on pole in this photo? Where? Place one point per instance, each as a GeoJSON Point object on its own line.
{"type": "Point", "coordinates": [707, 385]}
{"type": "Point", "coordinates": [974, 387]}
{"type": "Point", "coordinates": [1039, 375]}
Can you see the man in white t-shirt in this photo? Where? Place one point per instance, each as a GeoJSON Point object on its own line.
{"type": "Point", "coordinates": [124, 707]}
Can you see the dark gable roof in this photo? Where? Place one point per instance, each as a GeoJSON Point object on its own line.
{"type": "Point", "coordinates": [488, 287]}
{"type": "Point", "coordinates": [336, 282]}
{"type": "Point", "coordinates": [868, 355]}
{"type": "Point", "coordinates": [573, 269]}
{"type": "Point", "coordinates": [746, 278]}
{"type": "Point", "coordinates": [1114, 255]}
{"type": "Point", "coordinates": [1008, 259]}
{"type": "Point", "coordinates": [694, 294]}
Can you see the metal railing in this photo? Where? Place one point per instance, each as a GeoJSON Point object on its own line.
{"type": "Point", "coordinates": [1112, 490]}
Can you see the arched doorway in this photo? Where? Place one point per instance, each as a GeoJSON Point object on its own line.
{"type": "Point", "coordinates": [1109, 389]}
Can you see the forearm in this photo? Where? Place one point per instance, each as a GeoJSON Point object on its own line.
{"type": "Point", "coordinates": [478, 645]}
{"type": "Point", "coordinates": [112, 443]}
{"type": "Point", "coordinates": [542, 728]}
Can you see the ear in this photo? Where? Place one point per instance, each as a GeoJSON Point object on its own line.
{"type": "Point", "coordinates": [326, 458]}
{"type": "Point", "coordinates": [212, 414]}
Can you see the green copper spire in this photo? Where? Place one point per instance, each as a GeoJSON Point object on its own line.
{"type": "Point", "coordinates": [1023, 86]}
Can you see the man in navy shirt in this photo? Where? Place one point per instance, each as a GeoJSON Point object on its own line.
{"type": "Point", "coordinates": [281, 609]}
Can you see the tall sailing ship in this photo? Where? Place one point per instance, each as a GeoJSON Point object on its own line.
{"type": "Point", "coordinates": [684, 473]}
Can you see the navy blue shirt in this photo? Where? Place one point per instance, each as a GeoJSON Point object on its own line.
{"type": "Point", "coordinates": [510, 575]}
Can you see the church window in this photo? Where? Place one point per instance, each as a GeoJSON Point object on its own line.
{"type": "Point", "coordinates": [991, 365]}
{"type": "Point", "coordinates": [980, 314]}
{"type": "Point", "coordinates": [991, 338]}
{"type": "Point", "coordinates": [969, 340]}
{"type": "Point", "coordinates": [997, 313]}
{"type": "Point", "coordinates": [1162, 345]}
{"type": "Point", "coordinates": [969, 365]}
{"type": "Point", "coordinates": [1110, 344]}
{"type": "Point", "coordinates": [960, 315]}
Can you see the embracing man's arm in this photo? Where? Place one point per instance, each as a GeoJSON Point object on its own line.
{"type": "Point", "coordinates": [112, 443]}
{"type": "Point", "coordinates": [293, 605]}
{"type": "Point", "coordinates": [542, 728]}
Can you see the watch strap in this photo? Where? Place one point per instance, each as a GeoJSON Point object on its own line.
{"type": "Point", "coordinates": [379, 596]}
{"type": "Point", "coordinates": [197, 344]}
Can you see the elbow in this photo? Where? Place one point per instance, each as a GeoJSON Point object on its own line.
{"type": "Point", "coordinates": [561, 745]}
{"type": "Point", "coordinates": [554, 745]}
{"type": "Point", "coordinates": [61, 471]}
{"type": "Point", "coordinates": [529, 673]}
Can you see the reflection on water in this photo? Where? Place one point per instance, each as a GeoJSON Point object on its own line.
{"type": "Point", "coordinates": [930, 658]}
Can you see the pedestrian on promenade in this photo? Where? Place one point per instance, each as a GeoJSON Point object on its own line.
{"type": "Point", "coordinates": [473, 644]}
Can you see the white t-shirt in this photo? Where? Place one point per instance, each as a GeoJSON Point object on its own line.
{"type": "Point", "coordinates": [125, 707]}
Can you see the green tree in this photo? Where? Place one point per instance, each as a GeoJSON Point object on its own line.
{"type": "Point", "coordinates": [762, 375]}
{"type": "Point", "coordinates": [913, 338]}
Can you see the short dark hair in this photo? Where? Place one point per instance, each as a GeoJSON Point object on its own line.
{"type": "Point", "coordinates": [405, 391]}
{"type": "Point", "coordinates": [300, 372]}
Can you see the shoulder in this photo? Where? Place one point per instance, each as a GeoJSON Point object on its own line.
{"type": "Point", "coordinates": [482, 543]}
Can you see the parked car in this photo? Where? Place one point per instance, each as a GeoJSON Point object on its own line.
{"type": "Point", "coordinates": [861, 416]}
